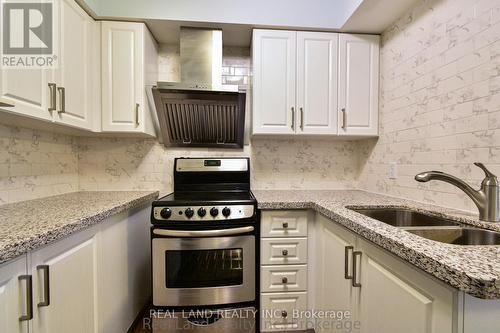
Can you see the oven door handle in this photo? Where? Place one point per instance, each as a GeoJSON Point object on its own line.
{"type": "Point", "coordinates": [203, 233]}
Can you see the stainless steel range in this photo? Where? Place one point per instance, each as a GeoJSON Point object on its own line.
{"type": "Point", "coordinates": [204, 242]}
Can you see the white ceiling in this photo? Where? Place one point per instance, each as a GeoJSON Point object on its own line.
{"type": "Point", "coordinates": [238, 18]}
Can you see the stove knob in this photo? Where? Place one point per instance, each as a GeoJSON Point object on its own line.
{"type": "Point", "coordinates": [214, 212]}
{"type": "Point", "coordinates": [226, 211]}
{"type": "Point", "coordinates": [202, 212]}
{"type": "Point", "coordinates": [189, 212]}
{"type": "Point", "coordinates": [165, 213]}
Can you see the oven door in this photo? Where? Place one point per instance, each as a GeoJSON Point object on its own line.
{"type": "Point", "coordinates": [196, 268]}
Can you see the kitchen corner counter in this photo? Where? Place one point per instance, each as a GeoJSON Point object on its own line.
{"type": "Point", "coordinates": [28, 225]}
{"type": "Point", "coordinates": [472, 269]}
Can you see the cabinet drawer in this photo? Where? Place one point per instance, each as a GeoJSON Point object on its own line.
{"type": "Point", "coordinates": [282, 251]}
{"type": "Point", "coordinates": [283, 278]}
{"type": "Point", "coordinates": [277, 223]}
{"type": "Point", "coordinates": [277, 311]}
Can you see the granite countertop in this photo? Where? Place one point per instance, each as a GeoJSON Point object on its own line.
{"type": "Point", "coordinates": [472, 269]}
{"type": "Point", "coordinates": [28, 225]}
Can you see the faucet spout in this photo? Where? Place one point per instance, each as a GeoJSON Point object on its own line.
{"type": "Point", "coordinates": [477, 196]}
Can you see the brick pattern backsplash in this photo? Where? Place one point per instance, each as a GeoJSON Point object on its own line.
{"type": "Point", "coordinates": [36, 164]}
{"type": "Point", "coordinates": [439, 100]}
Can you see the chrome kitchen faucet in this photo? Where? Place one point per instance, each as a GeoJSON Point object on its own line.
{"type": "Point", "coordinates": [487, 199]}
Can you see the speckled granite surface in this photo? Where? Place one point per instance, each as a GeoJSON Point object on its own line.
{"type": "Point", "coordinates": [473, 269]}
{"type": "Point", "coordinates": [27, 225]}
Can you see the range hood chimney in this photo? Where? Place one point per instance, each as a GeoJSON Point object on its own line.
{"type": "Point", "coordinates": [199, 111]}
{"type": "Point", "coordinates": [201, 61]}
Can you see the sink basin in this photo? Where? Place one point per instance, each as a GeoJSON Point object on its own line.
{"type": "Point", "coordinates": [400, 217]}
{"type": "Point", "coordinates": [459, 236]}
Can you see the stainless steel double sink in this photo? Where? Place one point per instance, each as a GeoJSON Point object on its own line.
{"type": "Point", "coordinates": [432, 227]}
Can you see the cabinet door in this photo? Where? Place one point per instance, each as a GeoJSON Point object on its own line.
{"type": "Point", "coordinates": [13, 296]}
{"type": "Point", "coordinates": [27, 90]}
{"type": "Point", "coordinates": [75, 66]}
{"type": "Point", "coordinates": [70, 288]}
{"type": "Point", "coordinates": [334, 291]}
{"type": "Point", "coordinates": [123, 250]}
{"type": "Point", "coordinates": [122, 76]}
{"type": "Point", "coordinates": [274, 58]}
{"type": "Point", "coordinates": [358, 84]}
{"type": "Point", "coordinates": [391, 287]}
{"type": "Point", "coordinates": [317, 82]}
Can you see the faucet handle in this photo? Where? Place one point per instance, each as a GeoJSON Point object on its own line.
{"type": "Point", "coordinates": [490, 179]}
{"type": "Point", "coordinates": [483, 167]}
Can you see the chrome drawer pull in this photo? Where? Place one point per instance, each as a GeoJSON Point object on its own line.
{"type": "Point", "coordinates": [346, 262]}
{"type": "Point", "coordinates": [29, 297]}
{"type": "Point", "coordinates": [46, 285]}
{"type": "Point", "coordinates": [355, 271]}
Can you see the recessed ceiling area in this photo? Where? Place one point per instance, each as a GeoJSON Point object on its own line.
{"type": "Point", "coordinates": [237, 19]}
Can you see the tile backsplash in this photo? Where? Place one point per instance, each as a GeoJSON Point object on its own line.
{"type": "Point", "coordinates": [439, 109]}
{"type": "Point", "coordinates": [120, 164]}
{"type": "Point", "coordinates": [36, 164]}
{"type": "Point", "coordinates": [439, 100]}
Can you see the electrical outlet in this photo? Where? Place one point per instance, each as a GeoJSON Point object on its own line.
{"type": "Point", "coordinates": [393, 170]}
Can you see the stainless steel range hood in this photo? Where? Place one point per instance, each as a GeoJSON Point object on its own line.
{"type": "Point", "coordinates": [199, 111]}
{"type": "Point", "coordinates": [201, 61]}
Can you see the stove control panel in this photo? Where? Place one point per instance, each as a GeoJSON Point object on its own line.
{"type": "Point", "coordinates": [203, 213]}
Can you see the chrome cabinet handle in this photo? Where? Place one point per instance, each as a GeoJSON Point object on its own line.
{"type": "Point", "coordinates": [293, 117]}
{"type": "Point", "coordinates": [284, 280]}
{"type": "Point", "coordinates": [46, 285]}
{"type": "Point", "coordinates": [137, 114]}
{"type": "Point", "coordinates": [29, 297]}
{"type": "Point", "coordinates": [203, 233]}
{"type": "Point", "coordinates": [346, 262]}
{"type": "Point", "coordinates": [52, 91]}
{"type": "Point", "coordinates": [284, 314]}
{"type": "Point", "coordinates": [285, 225]}
{"type": "Point", "coordinates": [355, 271]}
{"type": "Point", "coordinates": [62, 99]}
{"type": "Point", "coordinates": [284, 252]}
{"type": "Point", "coordinates": [344, 119]}
{"type": "Point", "coordinates": [302, 118]}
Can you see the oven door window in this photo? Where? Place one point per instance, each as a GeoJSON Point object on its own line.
{"type": "Point", "coordinates": [203, 268]}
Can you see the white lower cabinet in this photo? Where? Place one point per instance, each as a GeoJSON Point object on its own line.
{"type": "Point", "coordinates": [395, 297]}
{"type": "Point", "coordinates": [14, 284]}
{"type": "Point", "coordinates": [347, 284]}
{"type": "Point", "coordinates": [284, 270]}
{"type": "Point", "coordinates": [96, 280]}
{"type": "Point", "coordinates": [334, 291]}
{"type": "Point", "coordinates": [65, 285]}
{"type": "Point", "coordinates": [381, 293]}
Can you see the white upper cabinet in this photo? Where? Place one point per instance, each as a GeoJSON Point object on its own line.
{"type": "Point", "coordinates": [303, 82]}
{"type": "Point", "coordinates": [26, 90]}
{"type": "Point", "coordinates": [77, 86]}
{"type": "Point", "coordinates": [65, 94]}
{"type": "Point", "coordinates": [317, 82]}
{"type": "Point", "coordinates": [358, 84]}
{"type": "Point", "coordinates": [129, 63]}
{"type": "Point", "coordinates": [274, 58]}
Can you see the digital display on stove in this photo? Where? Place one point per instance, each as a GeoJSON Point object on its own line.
{"type": "Point", "coordinates": [211, 163]}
